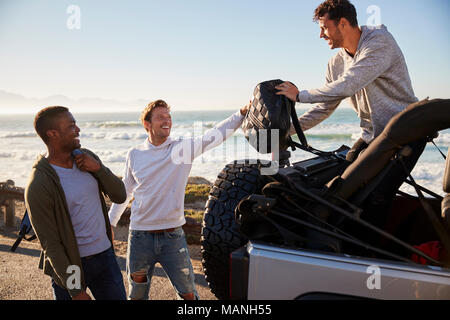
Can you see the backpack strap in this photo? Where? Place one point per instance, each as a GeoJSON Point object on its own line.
{"type": "Point", "coordinates": [298, 129]}
{"type": "Point", "coordinates": [24, 229]}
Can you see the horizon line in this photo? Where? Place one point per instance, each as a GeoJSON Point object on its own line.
{"type": "Point", "coordinates": [16, 112]}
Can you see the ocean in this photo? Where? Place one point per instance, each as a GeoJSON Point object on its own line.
{"type": "Point", "coordinates": [110, 135]}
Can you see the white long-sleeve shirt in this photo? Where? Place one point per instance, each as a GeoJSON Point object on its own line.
{"type": "Point", "coordinates": [156, 176]}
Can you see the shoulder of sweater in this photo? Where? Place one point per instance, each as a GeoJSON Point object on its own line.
{"type": "Point", "coordinates": [144, 146]}
{"type": "Point", "coordinates": [376, 35]}
{"type": "Point", "coordinates": [138, 148]}
{"type": "Point", "coordinates": [42, 171]}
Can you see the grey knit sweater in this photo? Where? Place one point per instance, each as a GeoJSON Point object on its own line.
{"type": "Point", "coordinates": [376, 80]}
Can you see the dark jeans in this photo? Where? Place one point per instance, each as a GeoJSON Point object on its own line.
{"type": "Point", "coordinates": [102, 276]}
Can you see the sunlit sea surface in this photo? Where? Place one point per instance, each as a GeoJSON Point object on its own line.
{"type": "Point", "coordinates": [110, 135]}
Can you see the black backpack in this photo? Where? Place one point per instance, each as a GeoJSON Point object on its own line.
{"type": "Point", "coordinates": [24, 229]}
{"type": "Point", "coordinates": [267, 112]}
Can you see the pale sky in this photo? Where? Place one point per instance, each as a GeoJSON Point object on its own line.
{"type": "Point", "coordinates": [194, 54]}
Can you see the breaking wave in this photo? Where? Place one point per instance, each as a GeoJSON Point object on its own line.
{"type": "Point", "coordinates": [15, 134]}
{"type": "Point", "coordinates": [112, 124]}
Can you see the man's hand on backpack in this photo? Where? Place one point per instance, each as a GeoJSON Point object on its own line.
{"type": "Point", "coordinates": [288, 89]}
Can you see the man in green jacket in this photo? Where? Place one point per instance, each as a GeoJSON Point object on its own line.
{"type": "Point", "coordinates": [69, 215]}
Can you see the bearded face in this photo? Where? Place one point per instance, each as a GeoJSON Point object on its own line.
{"type": "Point", "coordinates": [330, 32]}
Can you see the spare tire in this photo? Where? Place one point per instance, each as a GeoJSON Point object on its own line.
{"type": "Point", "coordinates": [220, 233]}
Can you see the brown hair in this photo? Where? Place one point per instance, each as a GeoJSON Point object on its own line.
{"type": "Point", "coordinates": [45, 120]}
{"type": "Point", "coordinates": [336, 10]}
{"type": "Point", "coordinates": [146, 114]}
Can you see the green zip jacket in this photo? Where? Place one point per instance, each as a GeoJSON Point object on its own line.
{"type": "Point", "coordinates": [47, 206]}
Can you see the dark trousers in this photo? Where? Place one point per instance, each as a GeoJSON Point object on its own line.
{"type": "Point", "coordinates": [102, 276]}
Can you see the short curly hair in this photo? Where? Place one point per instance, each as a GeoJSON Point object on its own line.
{"type": "Point", "coordinates": [336, 10]}
{"type": "Point", "coordinates": [146, 114]}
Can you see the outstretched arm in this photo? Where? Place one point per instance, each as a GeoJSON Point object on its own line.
{"type": "Point", "coordinates": [222, 131]}
{"type": "Point", "coordinates": [317, 113]}
{"type": "Point", "coordinates": [371, 63]}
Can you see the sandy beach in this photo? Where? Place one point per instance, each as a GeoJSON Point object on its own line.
{"type": "Point", "coordinates": [20, 278]}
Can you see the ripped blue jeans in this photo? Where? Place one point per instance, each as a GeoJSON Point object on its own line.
{"type": "Point", "coordinates": [145, 249]}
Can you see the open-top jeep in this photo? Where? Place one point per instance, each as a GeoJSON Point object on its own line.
{"type": "Point", "coordinates": [314, 230]}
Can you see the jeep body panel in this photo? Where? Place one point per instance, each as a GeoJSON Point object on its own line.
{"type": "Point", "coordinates": [279, 273]}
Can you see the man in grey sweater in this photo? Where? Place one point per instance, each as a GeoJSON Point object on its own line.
{"type": "Point", "coordinates": [371, 71]}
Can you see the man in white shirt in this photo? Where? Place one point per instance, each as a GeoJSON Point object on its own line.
{"type": "Point", "coordinates": [156, 174]}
